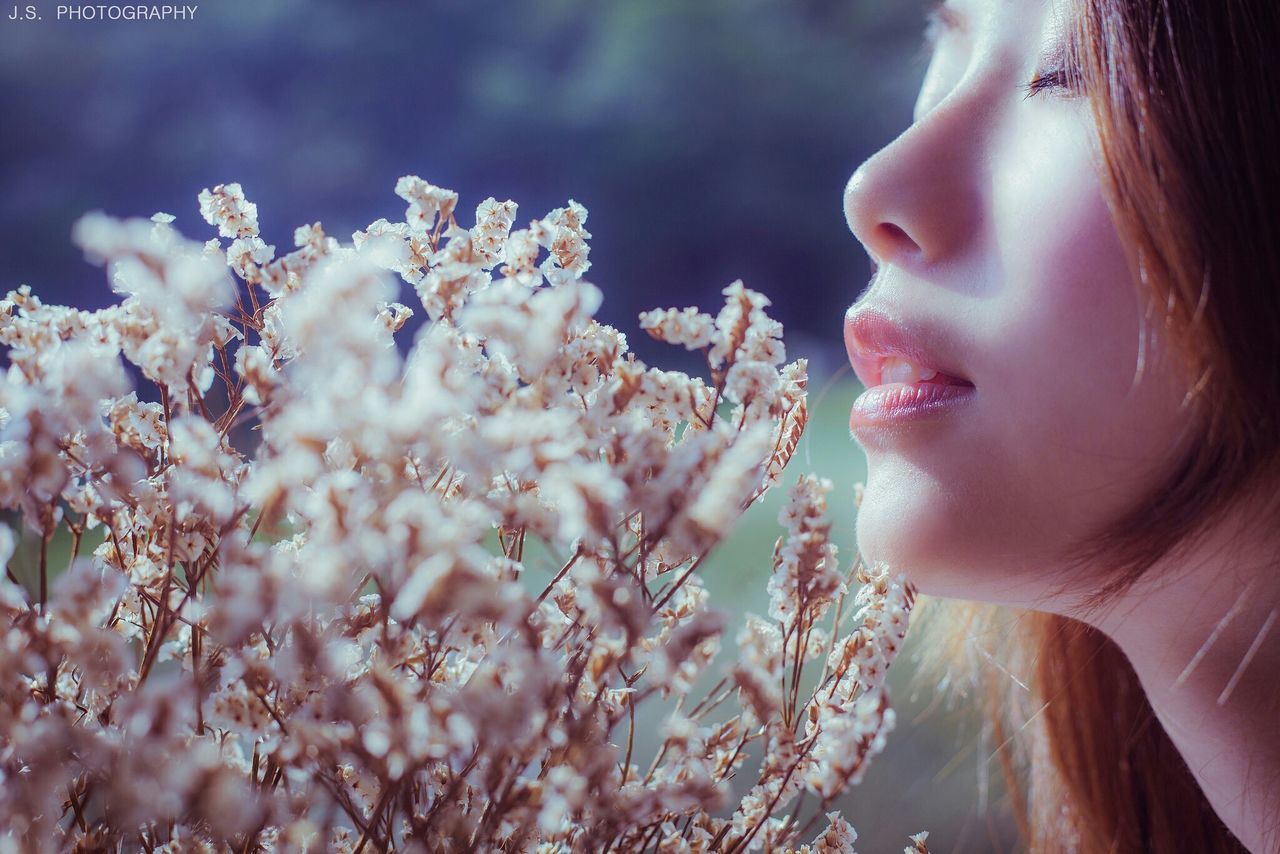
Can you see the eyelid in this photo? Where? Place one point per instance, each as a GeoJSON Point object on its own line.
{"type": "Point", "coordinates": [1058, 76]}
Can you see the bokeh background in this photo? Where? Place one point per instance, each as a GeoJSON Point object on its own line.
{"type": "Point", "coordinates": [709, 139]}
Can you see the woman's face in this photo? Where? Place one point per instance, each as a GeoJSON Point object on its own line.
{"type": "Point", "coordinates": [996, 251]}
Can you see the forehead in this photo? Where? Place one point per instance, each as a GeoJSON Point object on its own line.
{"type": "Point", "coordinates": [979, 9]}
{"type": "Point", "coordinates": [1006, 18]}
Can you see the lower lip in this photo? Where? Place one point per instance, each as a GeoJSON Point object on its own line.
{"type": "Point", "coordinates": [900, 403]}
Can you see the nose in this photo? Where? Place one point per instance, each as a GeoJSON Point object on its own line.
{"type": "Point", "coordinates": [883, 238]}
{"type": "Point", "coordinates": [915, 201]}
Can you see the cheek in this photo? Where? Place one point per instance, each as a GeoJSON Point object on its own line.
{"type": "Point", "coordinates": [1066, 339]}
{"type": "Point", "coordinates": [1062, 440]}
{"type": "Point", "coordinates": [1078, 436]}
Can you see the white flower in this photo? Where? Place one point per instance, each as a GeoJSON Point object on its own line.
{"type": "Point", "coordinates": [172, 278]}
{"type": "Point", "coordinates": [439, 597]}
{"type": "Point", "coordinates": [426, 202]}
{"type": "Point", "coordinates": [687, 327]}
{"type": "Point", "coordinates": [806, 574]}
{"type": "Point", "coordinates": [848, 736]}
{"type": "Point", "coordinates": [226, 207]}
{"type": "Point", "coordinates": [735, 476]}
{"type": "Point", "coordinates": [743, 327]}
{"type": "Point", "coordinates": [246, 251]}
{"type": "Point", "coordinates": [838, 838]}
{"type": "Point", "coordinates": [493, 225]}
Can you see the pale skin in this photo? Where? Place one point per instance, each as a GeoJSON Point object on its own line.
{"type": "Point", "coordinates": [987, 218]}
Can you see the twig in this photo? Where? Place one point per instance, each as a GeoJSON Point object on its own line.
{"type": "Point", "coordinates": [680, 581]}
{"type": "Point", "coordinates": [46, 534]}
{"type": "Point", "coordinates": [631, 737]}
{"type": "Point", "coordinates": [387, 794]}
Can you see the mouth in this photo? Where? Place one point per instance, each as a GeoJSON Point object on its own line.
{"type": "Point", "coordinates": [889, 370]}
{"type": "Point", "coordinates": [908, 369]}
{"type": "Point", "coordinates": [884, 351]}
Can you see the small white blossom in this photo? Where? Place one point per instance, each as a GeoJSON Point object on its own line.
{"type": "Point", "coordinates": [226, 207]}
{"type": "Point", "coordinates": [426, 202]}
{"type": "Point", "coordinates": [343, 598]}
{"type": "Point", "coordinates": [688, 327]}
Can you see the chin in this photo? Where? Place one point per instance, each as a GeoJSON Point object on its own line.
{"type": "Point", "coordinates": [941, 543]}
{"type": "Point", "coordinates": [951, 557]}
{"type": "Point", "coordinates": [909, 530]}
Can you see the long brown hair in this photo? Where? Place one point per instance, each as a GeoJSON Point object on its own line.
{"type": "Point", "coordinates": [1186, 99]}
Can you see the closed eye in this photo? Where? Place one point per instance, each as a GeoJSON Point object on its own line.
{"type": "Point", "coordinates": [1044, 81]}
{"type": "Point", "coordinates": [1064, 82]}
{"type": "Point", "coordinates": [1062, 74]}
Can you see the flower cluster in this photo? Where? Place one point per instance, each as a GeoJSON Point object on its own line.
{"type": "Point", "coordinates": [340, 594]}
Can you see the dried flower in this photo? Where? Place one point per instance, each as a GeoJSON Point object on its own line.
{"type": "Point", "coordinates": [318, 614]}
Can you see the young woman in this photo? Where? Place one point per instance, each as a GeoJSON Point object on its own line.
{"type": "Point", "coordinates": [1072, 351]}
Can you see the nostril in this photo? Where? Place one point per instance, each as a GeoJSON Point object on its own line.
{"type": "Point", "coordinates": [888, 243]}
{"type": "Point", "coordinates": [893, 236]}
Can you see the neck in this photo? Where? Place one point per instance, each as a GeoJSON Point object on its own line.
{"type": "Point", "coordinates": [1202, 632]}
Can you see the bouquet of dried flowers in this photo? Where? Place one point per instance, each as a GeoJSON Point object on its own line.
{"type": "Point", "coordinates": [316, 621]}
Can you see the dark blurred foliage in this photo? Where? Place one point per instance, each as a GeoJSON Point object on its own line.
{"type": "Point", "coordinates": [710, 139]}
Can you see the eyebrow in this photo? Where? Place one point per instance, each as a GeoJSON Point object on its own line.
{"type": "Point", "coordinates": [942, 17]}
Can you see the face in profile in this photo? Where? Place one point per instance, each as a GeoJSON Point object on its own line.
{"type": "Point", "coordinates": [1054, 407]}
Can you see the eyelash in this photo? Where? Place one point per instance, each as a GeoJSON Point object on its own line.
{"type": "Point", "coordinates": [1045, 81]}
{"type": "Point", "coordinates": [939, 19]}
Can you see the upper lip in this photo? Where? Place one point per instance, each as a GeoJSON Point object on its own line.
{"type": "Point", "coordinates": [872, 335]}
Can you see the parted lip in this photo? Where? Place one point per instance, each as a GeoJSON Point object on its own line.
{"type": "Point", "coordinates": [871, 335]}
